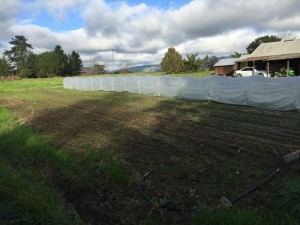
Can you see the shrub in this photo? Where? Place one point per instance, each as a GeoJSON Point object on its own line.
{"type": "Point", "coordinates": [26, 73]}
{"type": "Point", "coordinates": [172, 62]}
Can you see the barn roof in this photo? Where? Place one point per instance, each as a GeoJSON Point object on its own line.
{"type": "Point", "coordinates": [275, 51]}
{"type": "Point", "coordinates": [226, 62]}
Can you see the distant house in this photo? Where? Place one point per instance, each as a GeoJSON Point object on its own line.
{"type": "Point", "coordinates": [225, 67]}
{"type": "Point", "coordinates": [275, 55]}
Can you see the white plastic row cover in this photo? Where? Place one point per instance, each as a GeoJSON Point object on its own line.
{"type": "Point", "coordinates": [269, 93]}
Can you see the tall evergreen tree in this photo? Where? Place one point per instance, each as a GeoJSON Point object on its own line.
{"type": "Point", "coordinates": [29, 70]}
{"type": "Point", "coordinates": [19, 52]}
{"type": "Point", "coordinates": [22, 61]}
{"type": "Point", "coordinates": [60, 61]}
{"type": "Point", "coordinates": [46, 65]}
{"type": "Point", "coordinates": [74, 63]}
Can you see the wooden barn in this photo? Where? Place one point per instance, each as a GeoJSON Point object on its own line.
{"type": "Point", "coordinates": [275, 56]}
{"type": "Point", "coordinates": [225, 67]}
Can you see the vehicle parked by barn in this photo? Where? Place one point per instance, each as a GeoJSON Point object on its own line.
{"type": "Point", "coordinates": [250, 71]}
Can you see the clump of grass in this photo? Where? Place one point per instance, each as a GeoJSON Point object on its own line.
{"type": "Point", "coordinates": [237, 217]}
{"type": "Point", "coordinates": [93, 156]}
{"type": "Point", "coordinates": [6, 119]}
{"type": "Point", "coordinates": [23, 144]}
{"type": "Point", "coordinates": [98, 159]}
{"type": "Point", "coordinates": [290, 199]}
{"type": "Point", "coordinates": [229, 177]}
{"type": "Point", "coordinates": [116, 173]}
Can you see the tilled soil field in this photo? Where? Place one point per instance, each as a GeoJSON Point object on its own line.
{"type": "Point", "coordinates": [198, 151]}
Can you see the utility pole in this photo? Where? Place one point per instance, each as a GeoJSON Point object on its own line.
{"type": "Point", "coordinates": [112, 59]}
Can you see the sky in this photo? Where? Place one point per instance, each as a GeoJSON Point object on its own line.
{"type": "Point", "coordinates": [136, 32]}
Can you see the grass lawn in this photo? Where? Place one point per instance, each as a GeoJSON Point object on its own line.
{"type": "Point", "coordinates": [72, 157]}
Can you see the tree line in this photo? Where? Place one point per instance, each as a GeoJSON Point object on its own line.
{"type": "Point", "coordinates": [20, 60]}
{"type": "Point", "coordinates": [173, 62]}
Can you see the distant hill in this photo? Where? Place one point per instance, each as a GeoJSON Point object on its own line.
{"type": "Point", "coordinates": [145, 68]}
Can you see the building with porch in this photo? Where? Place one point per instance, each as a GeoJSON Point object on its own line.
{"type": "Point", "coordinates": [275, 56]}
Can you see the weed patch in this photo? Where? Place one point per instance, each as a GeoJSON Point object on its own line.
{"type": "Point", "coordinates": [237, 217]}
{"type": "Point", "coordinates": [116, 173]}
{"type": "Point", "coordinates": [290, 199]}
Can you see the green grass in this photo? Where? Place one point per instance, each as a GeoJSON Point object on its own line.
{"type": "Point", "coordinates": [27, 164]}
{"type": "Point", "coordinates": [21, 143]}
{"type": "Point", "coordinates": [113, 171]}
{"type": "Point", "coordinates": [6, 119]}
{"type": "Point", "coordinates": [26, 199]}
{"type": "Point", "coordinates": [290, 199]}
{"type": "Point", "coordinates": [31, 84]}
{"type": "Point", "coordinates": [116, 173]}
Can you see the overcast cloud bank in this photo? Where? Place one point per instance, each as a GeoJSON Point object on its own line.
{"type": "Point", "coordinates": [141, 34]}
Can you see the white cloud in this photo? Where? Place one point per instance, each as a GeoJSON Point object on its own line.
{"type": "Point", "coordinates": [57, 8]}
{"type": "Point", "coordinates": [111, 19]}
{"type": "Point", "coordinates": [141, 34]}
{"type": "Point", "coordinates": [291, 23]}
{"type": "Point", "coordinates": [39, 37]}
{"type": "Point", "coordinates": [8, 12]}
{"type": "Point", "coordinates": [220, 45]}
{"type": "Point", "coordinates": [207, 18]}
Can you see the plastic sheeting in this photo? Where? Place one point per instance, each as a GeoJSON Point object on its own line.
{"type": "Point", "coordinates": [257, 91]}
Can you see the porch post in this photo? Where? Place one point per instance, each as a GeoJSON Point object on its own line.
{"type": "Point", "coordinates": [268, 68]}
{"type": "Point", "coordinates": [235, 68]}
{"type": "Point", "coordinates": [287, 68]}
{"type": "Point", "coordinates": [253, 67]}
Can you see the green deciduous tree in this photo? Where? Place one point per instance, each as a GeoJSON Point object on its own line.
{"type": "Point", "coordinates": [19, 52]}
{"type": "Point", "coordinates": [26, 73]}
{"type": "Point", "coordinates": [172, 62]}
{"type": "Point", "coordinates": [236, 55]}
{"type": "Point", "coordinates": [192, 63]}
{"type": "Point", "coordinates": [4, 67]}
{"type": "Point", "coordinates": [209, 61]}
{"type": "Point", "coordinates": [98, 69]}
{"type": "Point", "coordinates": [265, 39]}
